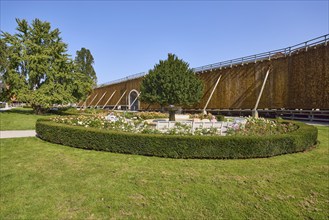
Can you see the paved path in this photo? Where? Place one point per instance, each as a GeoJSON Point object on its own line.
{"type": "Point", "coordinates": [316, 123]}
{"type": "Point", "coordinates": [16, 134]}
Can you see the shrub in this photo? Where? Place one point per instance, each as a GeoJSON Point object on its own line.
{"type": "Point", "coordinates": [151, 115]}
{"type": "Point", "coordinates": [220, 118]}
{"type": "Point", "coordinates": [201, 116]}
{"type": "Point", "coordinates": [175, 146]}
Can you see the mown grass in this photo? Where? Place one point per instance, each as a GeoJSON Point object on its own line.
{"type": "Point", "coordinates": [19, 119]}
{"type": "Point", "coordinates": [40, 180]}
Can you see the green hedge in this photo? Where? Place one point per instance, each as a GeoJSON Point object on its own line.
{"type": "Point", "coordinates": [178, 146]}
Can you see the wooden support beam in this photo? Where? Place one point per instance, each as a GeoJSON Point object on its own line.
{"type": "Point", "coordinates": [212, 92]}
{"type": "Point", "coordinates": [119, 100]}
{"type": "Point", "coordinates": [92, 100]}
{"type": "Point", "coordinates": [109, 99]}
{"type": "Point", "coordinates": [100, 99]}
{"type": "Point", "coordinates": [85, 102]}
{"type": "Point", "coordinates": [254, 111]}
{"type": "Point", "coordinates": [80, 103]}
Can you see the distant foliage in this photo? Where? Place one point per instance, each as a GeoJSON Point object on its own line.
{"type": "Point", "coordinates": [3, 58]}
{"type": "Point", "coordinates": [83, 65]}
{"type": "Point", "coordinates": [84, 62]}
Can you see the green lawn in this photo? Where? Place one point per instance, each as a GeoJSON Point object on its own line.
{"type": "Point", "coordinates": [40, 180]}
{"type": "Point", "coordinates": [19, 119]}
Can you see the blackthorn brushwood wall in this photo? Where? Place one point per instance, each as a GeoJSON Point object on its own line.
{"type": "Point", "coordinates": [298, 81]}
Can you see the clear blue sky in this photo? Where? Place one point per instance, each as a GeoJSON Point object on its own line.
{"type": "Point", "coordinates": [128, 37]}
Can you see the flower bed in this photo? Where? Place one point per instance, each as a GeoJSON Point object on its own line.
{"type": "Point", "coordinates": [262, 126]}
{"type": "Point", "coordinates": [253, 126]}
{"type": "Point", "coordinates": [177, 146]}
{"type": "Point", "coordinates": [134, 125]}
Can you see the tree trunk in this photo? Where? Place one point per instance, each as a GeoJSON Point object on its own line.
{"type": "Point", "coordinates": [38, 110]}
{"type": "Point", "coordinates": [172, 115]}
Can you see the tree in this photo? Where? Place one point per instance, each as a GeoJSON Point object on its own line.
{"type": "Point", "coordinates": [84, 64]}
{"type": "Point", "coordinates": [171, 83]}
{"type": "Point", "coordinates": [39, 70]}
{"type": "Point", "coordinates": [3, 58]}
{"type": "Point", "coordinates": [3, 66]}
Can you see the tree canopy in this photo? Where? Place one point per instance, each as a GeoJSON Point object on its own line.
{"type": "Point", "coordinates": [171, 83]}
{"type": "Point", "coordinates": [84, 64]}
{"type": "Point", "coordinates": [3, 59]}
{"type": "Point", "coordinates": [39, 70]}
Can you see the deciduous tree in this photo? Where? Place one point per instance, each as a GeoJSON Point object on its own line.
{"type": "Point", "coordinates": [39, 70]}
{"type": "Point", "coordinates": [84, 61]}
{"type": "Point", "coordinates": [171, 83]}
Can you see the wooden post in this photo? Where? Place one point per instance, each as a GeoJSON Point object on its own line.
{"type": "Point", "coordinates": [100, 99]}
{"type": "Point", "coordinates": [254, 111]}
{"type": "Point", "coordinates": [119, 100]}
{"type": "Point", "coordinates": [212, 92]}
{"type": "Point", "coordinates": [109, 99]}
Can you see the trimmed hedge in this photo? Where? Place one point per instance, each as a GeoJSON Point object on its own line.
{"type": "Point", "coordinates": [212, 147]}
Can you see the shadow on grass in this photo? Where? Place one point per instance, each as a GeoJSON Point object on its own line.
{"type": "Point", "coordinates": [23, 111]}
{"type": "Point", "coordinates": [29, 111]}
{"type": "Point", "coordinates": [18, 111]}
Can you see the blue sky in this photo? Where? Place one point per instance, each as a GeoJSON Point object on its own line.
{"type": "Point", "coordinates": [128, 37]}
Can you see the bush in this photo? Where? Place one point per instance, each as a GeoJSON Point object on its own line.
{"type": "Point", "coordinates": [151, 115]}
{"type": "Point", "coordinates": [201, 116]}
{"type": "Point", "coordinates": [220, 118]}
{"type": "Point", "coordinates": [173, 146]}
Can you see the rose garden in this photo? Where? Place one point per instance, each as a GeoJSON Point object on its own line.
{"type": "Point", "coordinates": [104, 162]}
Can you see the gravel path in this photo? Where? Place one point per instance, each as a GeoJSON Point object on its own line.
{"type": "Point", "coordinates": [17, 134]}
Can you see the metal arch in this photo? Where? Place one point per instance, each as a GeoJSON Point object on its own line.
{"type": "Point", "coordinates": [138, 94]}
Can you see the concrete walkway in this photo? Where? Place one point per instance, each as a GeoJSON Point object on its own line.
{"type": "Point", "coordinates": [17, 133]}
{"type": "Point", "coordinates": [316, 123]}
